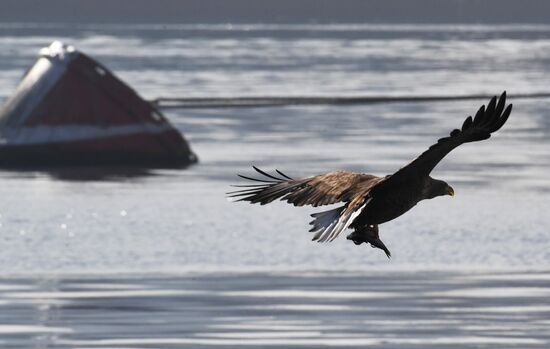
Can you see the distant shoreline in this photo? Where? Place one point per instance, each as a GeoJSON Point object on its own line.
{"type": "Point", "coordinates": [285, 11]}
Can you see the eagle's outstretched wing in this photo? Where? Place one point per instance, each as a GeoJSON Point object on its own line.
{"type": "Point", "coordinates": [325, 189]}
{"type": "Point", "coordinates": [486, 121]}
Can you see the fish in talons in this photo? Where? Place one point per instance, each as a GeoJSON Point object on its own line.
{"type": "Point", "coordinates": [368, 234]}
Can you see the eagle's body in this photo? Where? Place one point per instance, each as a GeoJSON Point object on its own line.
{"type": "Point", "coordinates": [391, 203]}
{"type": "Point", "coordinates": [370, 200]}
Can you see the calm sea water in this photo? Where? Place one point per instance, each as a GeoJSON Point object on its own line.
{"type": "Point", "coordinates": [56, 224]}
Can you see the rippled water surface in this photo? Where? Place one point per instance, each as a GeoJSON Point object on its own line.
{"type": "Point", "coordinates": [60, 222]}
{"type": "Point", "coordinates": [291, 310]}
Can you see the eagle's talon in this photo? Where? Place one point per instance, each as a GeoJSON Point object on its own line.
{"type": "Point", "coordinates": [355, 237]}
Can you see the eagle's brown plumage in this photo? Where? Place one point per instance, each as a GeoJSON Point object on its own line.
{"type": "Point", "coordinates": [371, 200]}
{"type": "Point", "coordinates": [324, 189]}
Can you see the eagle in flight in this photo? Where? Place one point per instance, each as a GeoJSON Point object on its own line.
{"type": "Point", "coordinates": [369, 200]}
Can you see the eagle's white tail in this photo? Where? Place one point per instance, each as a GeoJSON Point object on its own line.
{"type": "Point", "coordinates": [323, 220]}
{"type": "Point", "coordinates": [328, 224]}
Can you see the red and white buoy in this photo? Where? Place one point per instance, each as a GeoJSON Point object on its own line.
{"type": "Point", "coordinates": [71, 110]}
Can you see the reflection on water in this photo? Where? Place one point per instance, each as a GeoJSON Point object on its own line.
{"type": "Point", "coordinates": [346, 309]}
{"type": "Point", "coordinates": [81, 173]}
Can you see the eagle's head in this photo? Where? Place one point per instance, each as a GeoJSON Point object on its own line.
{"type": "Point", "coordinates": [436, 187]}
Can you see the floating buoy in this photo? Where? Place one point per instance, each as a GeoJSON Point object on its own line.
{"type": "Point", "coordinates": [69, 110]}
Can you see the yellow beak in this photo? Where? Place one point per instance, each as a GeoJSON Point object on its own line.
{"type": "Point", "coordinates": [450, 191]}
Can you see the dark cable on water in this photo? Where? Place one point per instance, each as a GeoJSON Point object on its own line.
{"type": "Point", "coordinates": [255, 102]}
